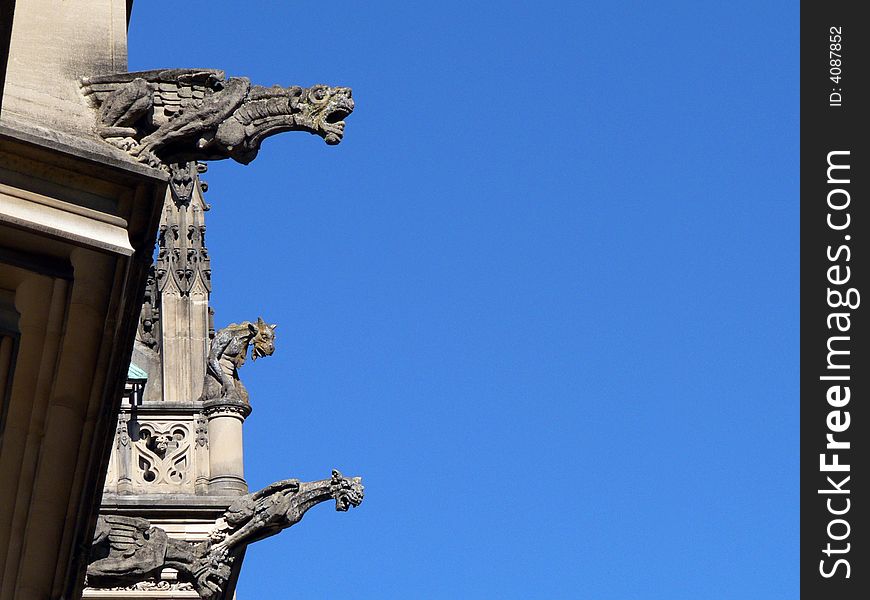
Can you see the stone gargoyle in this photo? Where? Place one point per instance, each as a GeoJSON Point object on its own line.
{"type": "Point", "coordinates": [227, 354]}
{"type": "Point", "coordinates": [170, 116]}
{"type": "Point", "coordinates": [127, 550]}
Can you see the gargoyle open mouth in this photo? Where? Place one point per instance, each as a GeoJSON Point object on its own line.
{"type": "Point", "coordinates": [347, 491]}
{"type": "Point", "coordinates": [344, 502]}
{"type": "Point", "coordinates": [333, 122]}
{"type": "Point", "coordinates": [258, 352]}
{"type": "Point", "coordinates": [337, 115]}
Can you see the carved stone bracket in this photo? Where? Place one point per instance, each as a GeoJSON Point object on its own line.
{"type": "Point", "coordinates": [174, 116]}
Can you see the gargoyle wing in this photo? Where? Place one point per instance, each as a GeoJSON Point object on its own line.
{"type": "Point", "coordinates": [243, 509]}
{"type": "Point", "coordinates": [240, 511]}
{"type": "Point", "coordinates": [125, 534]}
{"type": "Point", "coordinates": [173, 89]}
{"type": "Point", "coordinates": [125, 550]}
{"type": "Point", "coordinates": [278, 486]}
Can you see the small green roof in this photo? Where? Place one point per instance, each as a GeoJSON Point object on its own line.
{"type": "Point", "coordinates": [136, 374]}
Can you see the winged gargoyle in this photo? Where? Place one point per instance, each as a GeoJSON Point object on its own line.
{"type": "Point", "coordinates": [127, 550]}
{"type": "Point", "coordinates": [164, 117]}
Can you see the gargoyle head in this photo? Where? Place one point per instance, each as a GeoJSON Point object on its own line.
{"type": "Point", "coordinates": [347, 491]}
{"type": "Point", "coordinates": [322, 110]}
{"type": "Point", "coordinates": [162, 442]}
{"type": "Point", "coordinates": [263, 340]}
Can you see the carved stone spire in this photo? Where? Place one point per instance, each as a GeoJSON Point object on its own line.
{"type": "Point", "coordinates": [182, 256]}
{"type": "Point", "coordinates": [182, 283]}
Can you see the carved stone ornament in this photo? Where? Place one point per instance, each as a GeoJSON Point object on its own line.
{"type": "Point", "coordinates": [154, 585]}
{"type": "Point", "coordinates": [162, 453]}
{"type": "Point", "coordinates": [122, 434]}
{"type": "Point", "coordinates": [201, 430]}
{"type": "Point", "coordinates": [129, 550]}
{"type": "Point", "coordinates": [163, 117]}
{"type": "Point", "coordinates": [180, 262]}
{"type": "Point", "coordinates": [149, 318]}
{"type": "Point", "coordinates": [227, 354]}
{"type": "Point", "coordinates": [182, 179]}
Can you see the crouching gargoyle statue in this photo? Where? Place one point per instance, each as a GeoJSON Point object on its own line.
{"type": "Point", "coordinates": [127, 550]}
{"type": "Point", "coordinates": [175, 116]}
{"type": "Point", "coordinates": [227, 354]}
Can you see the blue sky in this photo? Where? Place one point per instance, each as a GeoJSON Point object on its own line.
{"type": "Point", "coordinates": [543, 297]}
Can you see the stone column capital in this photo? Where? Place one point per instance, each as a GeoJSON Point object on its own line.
{"type": "Point", "coordinates": [224, 407]}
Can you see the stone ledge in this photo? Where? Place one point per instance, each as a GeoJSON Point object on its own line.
{"type": "Point", "coordinates": [93, 151]}
{"type": "Point", "coordinates": [167, 407]}
{"type": "Point", "coordinates": [165, 505]}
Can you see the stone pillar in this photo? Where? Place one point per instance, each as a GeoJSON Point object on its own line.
{"type": "Point", "coordinates": [200, 483]}
{"type": "Point", "coordinates": [225, 456]}
{"type": "Point", "coordinates": [122, 455]}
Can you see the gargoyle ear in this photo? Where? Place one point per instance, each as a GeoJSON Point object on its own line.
{"type": "Point", "coordinates": [273, 326]}
{"type": "Point", "coordinates": [260, 322]}
{"type": "Point", "coordinates": [252, 328]}
{"type": "Point", "coordinates": [336, 474]}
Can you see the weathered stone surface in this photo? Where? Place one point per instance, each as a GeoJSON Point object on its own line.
{"type": "Point", "coordinates": [77, 234]}
{"type": "Point", "coordinates": [127, 550]}
{"type": "Point", "coordinates": [171, 116]}
{"type": "Point", "coordinates": [52, 45]}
